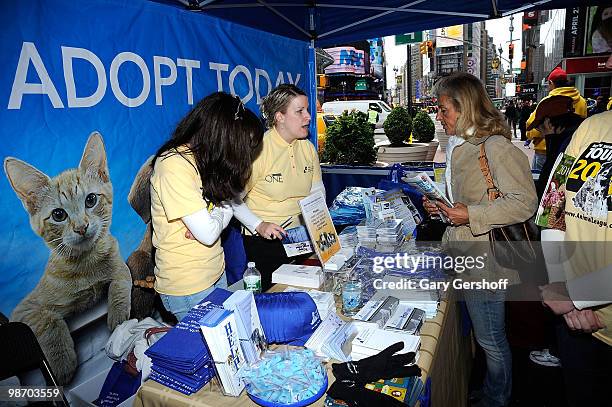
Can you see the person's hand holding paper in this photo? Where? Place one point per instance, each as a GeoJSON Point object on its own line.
{"type": "Point", "coordinates": [458, 214]}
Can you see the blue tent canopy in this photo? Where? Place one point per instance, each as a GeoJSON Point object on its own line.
{"type": "Point", "coordinates": [337, 21]}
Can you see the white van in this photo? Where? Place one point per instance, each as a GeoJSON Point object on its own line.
{"type": "Point", "coordinates": [337, 107]}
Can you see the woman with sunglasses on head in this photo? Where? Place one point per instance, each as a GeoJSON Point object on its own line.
{"type": "Point", "coordinates": [286, 171]}
{"type": "Point", "coordinates": [205, 165]}
{"type": "Point", "coordinates": [481, 143]}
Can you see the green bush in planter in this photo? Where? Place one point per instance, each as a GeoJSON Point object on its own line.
{"type": "Point", "coordinates": [350, 140]}
{"type": "Point", "coordinates": [398, 126]}
{"type": "Point", "coordinates": [423, 128]}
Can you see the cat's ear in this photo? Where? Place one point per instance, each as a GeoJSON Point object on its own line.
{"type": "Point", "coordinates": [94, 157]}
{"type": "Point", "coordinates": [27, 182]}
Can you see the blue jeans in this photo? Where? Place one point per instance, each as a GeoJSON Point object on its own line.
{"type": "Point", "coordinates": [487, 311]}
{"type": "Point", "coordinates": [180, 305]}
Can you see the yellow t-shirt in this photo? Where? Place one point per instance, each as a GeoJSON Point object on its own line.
{"type": "Point", "coordinates": [588, 207]}
{"type": "Point", "coordinates": [182, 266]}
{"type": "Point", "coordinates": [283, 174]}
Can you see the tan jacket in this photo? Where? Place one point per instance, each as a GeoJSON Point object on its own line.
{"type": "Point", "coordinates": [512, 176]}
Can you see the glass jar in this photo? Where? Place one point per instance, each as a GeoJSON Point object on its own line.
{"type": "Point", "coordinates": [351, 297]}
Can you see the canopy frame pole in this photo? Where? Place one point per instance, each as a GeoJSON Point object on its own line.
{"type": "Point", "coordinates": [400, 10]}
{"type": "Point", "coordinates": [287, 19]}
{"type": "Point", "coordinates": [200, 3]}
{"type": "Point", "coordinates": [496, 13]}
{"type": "Point", "coordinates": [368, 19]}
{"type": "Point", "coordinates": [312, 94]}
{"type": "Point", "coordinates": [525, 7]}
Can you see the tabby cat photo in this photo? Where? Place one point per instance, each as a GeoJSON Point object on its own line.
{"type": "Point", "coordinates": [72, 214]}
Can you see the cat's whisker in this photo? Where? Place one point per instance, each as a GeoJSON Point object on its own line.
{"type": "Point", "coordinates": [62, 248]}
{"type": "Point", "coordinates": [57, 251]}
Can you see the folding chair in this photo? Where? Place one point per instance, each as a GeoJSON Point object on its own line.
{"type": "Point", "coordinates": [20, 352]}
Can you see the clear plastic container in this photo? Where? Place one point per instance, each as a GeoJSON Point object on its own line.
{"type": "Point", "coordinates": [252, 278]}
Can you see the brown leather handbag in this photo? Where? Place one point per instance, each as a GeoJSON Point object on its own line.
{"type": "Point", "coordinates": [512, 246]}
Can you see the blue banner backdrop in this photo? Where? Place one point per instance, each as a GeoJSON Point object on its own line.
{"type": "Point", "coordinates": [129, 69]}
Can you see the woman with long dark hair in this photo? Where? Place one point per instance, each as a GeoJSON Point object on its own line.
{"type": "Point", "coordinates": [196, 174]}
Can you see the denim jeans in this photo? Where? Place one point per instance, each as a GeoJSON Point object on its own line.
{"type": "Point", "coordinates": [538, 161]}
{"type": "Point", "coordinates": [180, 305]}
{"type": "Point", "coordinates": [487, 311]}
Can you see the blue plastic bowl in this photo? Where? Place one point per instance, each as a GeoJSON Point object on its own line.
{"type": "Point", "coordinates": [306, 402]}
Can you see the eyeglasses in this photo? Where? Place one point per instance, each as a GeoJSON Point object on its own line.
{"type": "Point", "coordinates": [239, 108]}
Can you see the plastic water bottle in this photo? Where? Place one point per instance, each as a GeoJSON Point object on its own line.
{"type": "Point", "coordinates": [252, 278]}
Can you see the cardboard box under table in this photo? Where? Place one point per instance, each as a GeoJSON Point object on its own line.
{"type": "Point", "coordinates": [445, 358]}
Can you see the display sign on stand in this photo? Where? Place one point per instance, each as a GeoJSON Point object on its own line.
{"type": "Point", "coordinates": [320, 226]}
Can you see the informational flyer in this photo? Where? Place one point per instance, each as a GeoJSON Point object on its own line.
{"type": "Point", "coordinates": [320, 226]}
{"type": "Point", "coordinates": [297, 242]}
{"type": "Point", "coordinates": [422, 183]}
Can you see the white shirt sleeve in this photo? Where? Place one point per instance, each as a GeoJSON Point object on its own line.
{"type": "Point", "coordinates": [206, 226]}
{"type": "Point", "coordinates": [250, 220]}
{"type": "Point", "coordinates": [318, 186]}
{"type": "Point", "coordinates": [592, 289]}
{"type": "Point", "coordinates": [245, 215]}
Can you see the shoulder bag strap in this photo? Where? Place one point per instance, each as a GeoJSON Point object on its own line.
{"type": "Point", "coordinates": [484, 167]}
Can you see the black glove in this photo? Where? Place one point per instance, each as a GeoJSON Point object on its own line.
{"type": "Point", "coordinates": [358, 396]}
{"type": "Point", "coordinates": [384, 365]}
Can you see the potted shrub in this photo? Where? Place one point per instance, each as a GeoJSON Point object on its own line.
{"type": "Point", "coordinates": [423, 131]}
{"type": "Point", "coordinates": [398, 127]}
{"type": "Point", "coordinates": [350, 140]}
{"type": "Point", "coordinates": [423, 128]}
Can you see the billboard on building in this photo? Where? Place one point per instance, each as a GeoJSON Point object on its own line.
{"type": "Point", "coordinates": [449, 36]}
{"type": "Point", "coordinates": [588, 31]}
{"type": "Point", "coordinates": [530, 18]}
{"type": "Point", "coordinates": [573, 41]}
{"type": "Point", "coordinates": [473, 66]}
{"type": "Point", "coordinates": [376, 57]}
{"type": "Point", "coordinates": [599, 30]}
{"type": "Point", "coordinates": [346, 60]}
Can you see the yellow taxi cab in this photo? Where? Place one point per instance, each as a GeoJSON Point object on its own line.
{"type": "Point", "coordinates": [323, 120]}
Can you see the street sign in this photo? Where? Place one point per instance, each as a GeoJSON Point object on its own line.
{"type": "Point", "coordinates": [495, 63]}
{"type": "Point", "coordinates": [409, 38]}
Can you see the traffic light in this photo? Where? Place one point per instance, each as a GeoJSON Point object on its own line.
{"type": "Point", "coordinates": [511, 51]}
{"type": "Point", "coordinates": [423, 48]}
{"type": "Point", "coordinates": [321, 81]}
{"type": "Point", "coordinates": [430, 49]}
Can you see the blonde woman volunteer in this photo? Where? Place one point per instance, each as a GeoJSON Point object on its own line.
{"type": "Point", "coordinates": [286, 171]}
